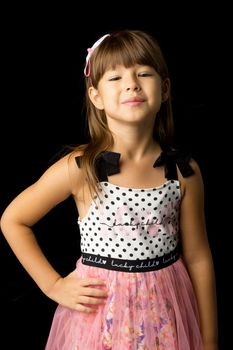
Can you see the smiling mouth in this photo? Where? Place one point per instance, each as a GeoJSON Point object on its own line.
{"type": "Point", "coordinates": [133, 103]}
{"type": "Point", "coordinates": [133, 100]}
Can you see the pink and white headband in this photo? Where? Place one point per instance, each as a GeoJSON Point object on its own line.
{"type": "Point", "coordinates": [87, 69]}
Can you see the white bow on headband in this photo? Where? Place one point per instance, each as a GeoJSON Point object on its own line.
{"type": "Point", "coordinates": [87, 69]}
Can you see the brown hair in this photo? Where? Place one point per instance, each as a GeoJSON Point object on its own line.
{"type": "Point", "coordinates": [125, 48]}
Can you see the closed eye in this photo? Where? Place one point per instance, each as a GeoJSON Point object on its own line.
{"type": "Point", "coordinates": [114, 78]}
{"type": "Point", "coordinates": [144, 74]}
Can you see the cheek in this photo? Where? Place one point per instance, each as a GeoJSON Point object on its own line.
{"type": "Point", "coordinates": [158, 92]}
{"type": "Point", "coordinates": [109, 99]}
{"type": "Point", "coordinates": [158, 88]}
{"type": "Point", "coordinates": [155, 92]}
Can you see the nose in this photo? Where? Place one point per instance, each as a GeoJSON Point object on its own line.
{"type": "Point", "coordinates": [132, 84]}
{"type": "Point", "coordinates": [133, 88]}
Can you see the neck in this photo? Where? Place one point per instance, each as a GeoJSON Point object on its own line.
{"type": "Point", "coordinates": [133, 146]}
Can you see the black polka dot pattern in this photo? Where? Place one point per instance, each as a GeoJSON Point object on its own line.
{"type": "Point", "coordinates": [129, 223]}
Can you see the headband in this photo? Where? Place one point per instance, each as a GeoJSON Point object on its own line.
{"type": "Point", "coordinates": [87, 69]}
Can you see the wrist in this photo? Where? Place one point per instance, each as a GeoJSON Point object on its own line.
{"type": "Point", "coordinates": [47, 289]}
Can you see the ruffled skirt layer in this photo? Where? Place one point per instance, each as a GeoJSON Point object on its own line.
{"type": "Point", "coordinates": [153, 310]}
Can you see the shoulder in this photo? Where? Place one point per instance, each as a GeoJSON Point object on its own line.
{"type": "Point", "coordinates": [195, 167]}
{"type": "Point", "coordinates": [74, 157]}
{"type": "Point", "coordinates": [194, 182]}
{"type": "Point", "coordinates": [62, 172]}
{"type": "Point", "coordinates": [64, 163]}
{"type": "Point", "coordinates": [74, 172]}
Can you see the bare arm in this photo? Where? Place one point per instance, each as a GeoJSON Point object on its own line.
{"type": "Point", "coordinates": [197, 256]}
{"type": "Point", "coordinates": [24, 211]}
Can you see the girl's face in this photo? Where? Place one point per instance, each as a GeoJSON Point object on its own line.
{"type": "Point", "coordinates": [130, 95]}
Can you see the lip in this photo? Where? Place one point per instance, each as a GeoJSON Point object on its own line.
{"type": "Point", "coordinates": [133, 100]}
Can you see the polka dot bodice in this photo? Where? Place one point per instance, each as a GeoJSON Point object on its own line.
{"type": "Point", "coordinates": [129, 223]}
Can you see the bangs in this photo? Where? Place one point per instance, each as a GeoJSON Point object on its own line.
{"type": "Point", "coordinates": [122, 53]}
{"type": "Point", "coordinates": [126, 50]}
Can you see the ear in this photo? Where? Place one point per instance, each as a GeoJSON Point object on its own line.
{"type": "Point", "coordinates": [166, 86]}
{"type": "Point", "coordinates": [95, 98]}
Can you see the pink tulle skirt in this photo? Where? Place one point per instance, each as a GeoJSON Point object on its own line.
{"type": "Point", "coordinates": [153, 310]}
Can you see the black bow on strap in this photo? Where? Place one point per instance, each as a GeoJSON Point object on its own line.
{"type": "Point", "coordinates": [172, 158]}
{"type": "Point", "coordinates": [106, 164]}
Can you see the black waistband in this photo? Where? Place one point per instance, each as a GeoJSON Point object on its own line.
{"type": "Point", "coordinates": [131, 265]}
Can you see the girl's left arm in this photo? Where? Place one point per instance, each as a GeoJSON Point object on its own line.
{"type": "Point", "coordinates": [197, 255]}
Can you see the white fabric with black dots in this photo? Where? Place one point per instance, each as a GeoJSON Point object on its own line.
{"type": "Point", "coordinates": [130, 223]}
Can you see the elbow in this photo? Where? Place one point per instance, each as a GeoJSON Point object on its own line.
{"type": "Point", "coordinates": [7, 222]}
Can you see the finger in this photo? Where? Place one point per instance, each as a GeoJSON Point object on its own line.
{"type": "Point", "coordinates": [86, 309]}
{"type": "Point", "coordinates": [92, 282]}
{"type": "Point", "coordinates": [90, 300]}
{"type": "Point", "coordinates": [95, 292]}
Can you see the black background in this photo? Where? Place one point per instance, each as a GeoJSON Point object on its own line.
{"type": "Point", "coordinates": [43, 57]}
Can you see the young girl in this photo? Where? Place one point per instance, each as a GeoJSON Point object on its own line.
{"type": "Point", "coordinates": [145, 278]}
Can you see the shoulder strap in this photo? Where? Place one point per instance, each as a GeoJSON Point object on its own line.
{"type": "Point", "coordinates": [170, 159]}
{"type": "Point", "coordinates": [106, 164]}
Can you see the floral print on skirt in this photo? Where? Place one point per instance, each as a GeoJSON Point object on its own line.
{"type": "Point", "coordinates": [153, 310]}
